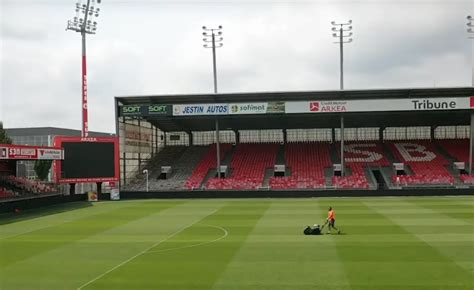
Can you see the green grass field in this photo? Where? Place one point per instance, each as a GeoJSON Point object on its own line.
{"type": "Point", "coordinates": [387, 243]}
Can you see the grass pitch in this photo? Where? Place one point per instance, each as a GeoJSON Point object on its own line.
{"type": "Point", "coordinates": [387, 243]}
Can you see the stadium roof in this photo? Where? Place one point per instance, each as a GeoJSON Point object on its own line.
{"type": "Point", "coordinates": [298, 95]}
{"type": "Point", "coordinates": [296, 121]}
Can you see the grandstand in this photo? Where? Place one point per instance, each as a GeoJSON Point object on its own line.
{"type": "Point", "coordinates": [12, 186]}
{"type": "Point", "coordinates": [393, 139]}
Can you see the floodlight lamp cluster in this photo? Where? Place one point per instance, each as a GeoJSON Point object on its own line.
{"type": "Point", "coordinates": [212, 37]}
{"type": "Point", "coordinates": [84, 20]}
{"type": "Point", "coordinates": [342, 31]}
{"type": "Point", "coordinates": [470, 25]}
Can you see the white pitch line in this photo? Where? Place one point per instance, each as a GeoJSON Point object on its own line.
{"type": "Point", "coordinates": [195, 245]}
{"type": "Point", "coordinates": [141, 253]}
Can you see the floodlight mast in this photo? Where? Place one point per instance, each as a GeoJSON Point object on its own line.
{"type": "Point", "coordinates": [342, 31]}
{"type": "Point", "coordinates": [470, 31]}
{"type": "Point", "coordinates": [84, 24]}
{"type": "Point", "coordinates": [210, 41]}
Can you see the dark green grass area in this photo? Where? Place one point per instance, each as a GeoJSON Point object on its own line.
{"type": "Point", "coordinates": [11, 217]}
{"type": "Point", "coordinates": [386, 243]}
{"type": "Point", "coordinates": [410, 263]}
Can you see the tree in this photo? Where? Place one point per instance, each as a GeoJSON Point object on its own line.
{"type": "Point", "coordinates": [4, 139]}
{"type": "Point", "coordinates": [42, 168]}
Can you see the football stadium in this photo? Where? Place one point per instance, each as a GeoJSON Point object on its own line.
{"type": "Point", "coordinates": [404, 205]}
{"type": "Point", "coordinates": [360, 188]}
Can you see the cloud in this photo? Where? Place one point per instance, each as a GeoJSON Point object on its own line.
{"type": "Point", "coordinates": [152, 47]}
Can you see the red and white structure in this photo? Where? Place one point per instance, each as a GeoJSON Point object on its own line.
{"type": "Point", "coordinates": [22, 152]}
{"type": "Point", "coordinates": [85, 25]}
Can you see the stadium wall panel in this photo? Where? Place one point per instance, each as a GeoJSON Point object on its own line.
{"type": "Point", "coordinates": [288, 194]}
{"type": "Point", "coordinates": [36, 202]}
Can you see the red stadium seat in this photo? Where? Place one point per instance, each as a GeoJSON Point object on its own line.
{"type": "Point", "coordinates": [207, 163]}
{"type": "Point", "coordinates": [248, 166]}
{"type": "Point", "coordinates": [307, 162]}
{"type": "Point", "coordinates": [459, 150]}
{"type": "Point", "coordinates": [428, 166]}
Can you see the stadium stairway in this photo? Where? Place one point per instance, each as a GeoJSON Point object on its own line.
{"type": "Point", "coordinates": [269, 173]}
{"type": "Point", "coordinates": [213, 171]}
{"type": "Point", "coordinates": [387, 173]}
{"type": "Point", "coordinates": [210, 174]}
{"type": "Point", "coordinates": [388, 154]}
{"type": "Point", "coordinates": [182, 169]}
{"type": "Point", "coordinates": [228, 156]}
{"type": "Point", "coordinates": [203, 168]}
{"type": "Point", "coordinates": [165, 157]}
{"type": "Point", "coordinates": [451, 161]}
{"type": "Point", "coordinates": [443, 152]}
{"type": "Point", "coordinates": [280, 159]}
{"type": "Point", "coordinates": [334, 153]}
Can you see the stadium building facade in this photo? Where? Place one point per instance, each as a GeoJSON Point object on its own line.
{"type": "Point", "coordinates": [41, 136]}
{"type": "Point", "coordinates": [392, 138]}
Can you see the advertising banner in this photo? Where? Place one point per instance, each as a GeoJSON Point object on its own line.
{"type": "Point", "coordinates": [92, 196]}
{"type": "Point", "coordinates": [276, 107]}
{"type": "Point", "coordinates": [144, 110]}
{"type": "Point", "coordinates": [248, 108]}
{"type": "Point", "coordinates": [136, 139]}
{"type": "Point", "coordinates": [114, 194]}
{"type": "Point", "coordinates": [256, 108]}
{"type": "Point", "coordinates": [422, 104]}
{"type": "Point", "coordinates": [132, 110]}
{"type": "Point", "coordinates": [228, 109]}
{"type": "Point", "coordinates": [3, 152]}
{"type": "Point", "coordinates": [50, 154]}
{"type": "Point", "coordinates": [159, 110]}
{"type": "Point", "coordinates": [200, 109]}
{"type": "Point", "coordinates": [21, 152]}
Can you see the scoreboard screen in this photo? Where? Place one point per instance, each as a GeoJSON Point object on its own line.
{"type": "Point", "coordinates": [88, 160]}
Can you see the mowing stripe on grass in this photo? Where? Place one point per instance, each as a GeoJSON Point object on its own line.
{"type": "Point", "coordinates": [43, 212]}
{"type": "Point", "coordinates": [379, 254]}
{"type": "Point", "coordinates": [387, 245]}
{"type": "Point", "coordinates": [454, 238]}
{"type": "Point", "coordinates": [455, 207]}
{"type": "Point", "coordinates": [226, 233]}
{"type": "Point", "coordinates": [78, 262]}
{"type": "Point", "coordinates": [277, 255]}
{"type": "Point", "coordinates": [190, 267]}
{"type": "Point", "coordinates": [38, 219]}
{"type": "Point", "coordinates": [416, 262]}
{"type": "Point", "coordinates": [24, 246]}
{"type": "Point", "coordinates": [139, 254]}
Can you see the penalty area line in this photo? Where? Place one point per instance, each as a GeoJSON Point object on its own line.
{"type": "Point", "coordinates": [142, 252]}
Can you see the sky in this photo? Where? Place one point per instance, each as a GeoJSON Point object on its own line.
{"type": "Point", "coordinates": [154, 47]}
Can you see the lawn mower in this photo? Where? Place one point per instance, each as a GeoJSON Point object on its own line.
{"type": "Point", "coordinates": [315, 229]}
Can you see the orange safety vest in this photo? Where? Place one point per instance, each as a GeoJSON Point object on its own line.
{"type": "Point", "coordinates": [331, 215]}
